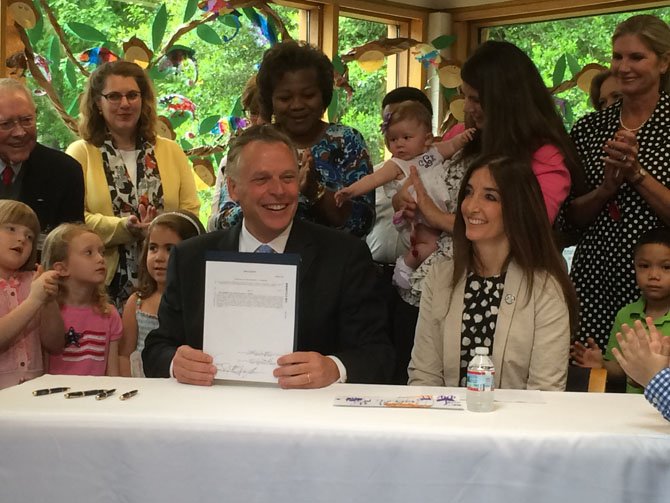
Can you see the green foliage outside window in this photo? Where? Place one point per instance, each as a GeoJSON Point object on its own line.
{"type": "Point", "coordinates": [559, 49]}
{"type": "Point", "coordinates": [223, 67]}
{"type": "Point", "coordinates": [363, 111]}
{"type": "Point", "coordinates": [583, 39]}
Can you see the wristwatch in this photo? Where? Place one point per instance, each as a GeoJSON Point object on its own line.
{"type": "Point", "coordinates": [639, 176]}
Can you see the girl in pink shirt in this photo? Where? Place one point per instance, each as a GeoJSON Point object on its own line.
{"type": "Point", "coordinates": [92, 325]}
{"type": "Point", "coordinates": [29, 316]}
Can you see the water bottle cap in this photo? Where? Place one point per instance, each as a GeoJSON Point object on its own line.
{"type": "Point", "coordinates": [482, 351]}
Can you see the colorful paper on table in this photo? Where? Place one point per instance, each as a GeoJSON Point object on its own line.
{"type": "Point", "coordinates": [410, 402]}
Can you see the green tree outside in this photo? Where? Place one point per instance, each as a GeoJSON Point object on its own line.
{"type": "Point", "coordinates": [225, 67]}
{"type": "Point", "coordinates": [587, 39]}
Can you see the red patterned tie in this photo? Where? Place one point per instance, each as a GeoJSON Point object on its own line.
{"type": "Point", "coordinates": [7, 175]}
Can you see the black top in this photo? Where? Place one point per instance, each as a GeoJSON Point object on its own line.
{"type": "Point", "coordinates": [52, 184]}
{"type": "Point", "coordinates": [480, 313]}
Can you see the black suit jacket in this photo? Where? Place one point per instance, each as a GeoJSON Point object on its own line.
{"type": "Point", "coordinates": [53, 186]}
{"type": "Point", "coordinates": [340, 310]}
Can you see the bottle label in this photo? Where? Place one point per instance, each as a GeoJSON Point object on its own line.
{"type": "Point", "coordinates": [481, 380]}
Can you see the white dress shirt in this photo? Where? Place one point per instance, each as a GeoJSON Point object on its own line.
{"type": "Point", "coordinates": [249, 244]}
{"type": "Point", "coordinates": [15, 167]}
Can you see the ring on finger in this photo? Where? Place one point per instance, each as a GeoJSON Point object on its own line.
{"type": "Point", "coordinates": [309, 378]}
{"type": "Point", "coordinates": [623, 159]}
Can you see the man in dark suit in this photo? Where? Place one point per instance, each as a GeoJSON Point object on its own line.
{"type": "Point", "coordinates": [49, 181]}
{"type": "Point", "coordinates": [341, 332]}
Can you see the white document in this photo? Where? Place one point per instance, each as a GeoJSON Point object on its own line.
{"type": "Point", "coordinates": [250, 313]}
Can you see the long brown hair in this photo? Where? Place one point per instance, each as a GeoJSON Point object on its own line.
{"type": "Point", "coordinates": [520, 113]}
{"type": "Point", "coordinates": [92, 126]}
{"type": "Point", "coordinates": [57, 249]}
{"type": "Point", "coordinates": [185, 224]}
{"type": "Point", "coordinates": [526, 225]}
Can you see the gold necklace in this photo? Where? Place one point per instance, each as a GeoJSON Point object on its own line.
{"type": "Point", "coordinates": [632, 130]}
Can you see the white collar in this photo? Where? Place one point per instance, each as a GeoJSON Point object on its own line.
{"type": "Point", "coordinates": [249, 244]}
{"type": "Point", "coordinates": [16, 167]}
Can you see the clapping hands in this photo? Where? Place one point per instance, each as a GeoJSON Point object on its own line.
{"type": "Point", "coordinates": [644, 352]}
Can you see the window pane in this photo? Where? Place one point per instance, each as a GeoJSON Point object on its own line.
{"type": "Point", "coordinates": [210, 75]}
{"type": "Point", "coordinates": [363, 111]}
{"type": "Point", "coordinates": [587, 39]}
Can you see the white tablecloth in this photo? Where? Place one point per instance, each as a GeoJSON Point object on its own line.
{"type": "Point", "coordinates": [227, 443]}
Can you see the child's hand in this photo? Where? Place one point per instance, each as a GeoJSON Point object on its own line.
{"type": "Point", "coordinates": [588, 356]}
{"type": "Point", "coordinates": [465, 137]}
{"type": "Point", "coordinates": [343, 195]}
{"type": "Point", "coordinates": [44, 287]}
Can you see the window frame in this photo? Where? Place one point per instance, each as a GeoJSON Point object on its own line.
{"type": "Point", "coordinates": [469, 23]}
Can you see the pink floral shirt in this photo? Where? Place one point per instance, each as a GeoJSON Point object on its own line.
{"type": "Point", "coordinates": [23, 359]}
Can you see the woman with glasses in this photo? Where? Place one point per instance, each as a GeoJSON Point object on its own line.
{"type": "Point", "coordinates": [130, 173]}
{"type": "Point", "coordinates": [47, 180]}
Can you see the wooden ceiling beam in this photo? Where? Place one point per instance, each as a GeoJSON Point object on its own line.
{"type": "Point", "coordinates": [516, 11]}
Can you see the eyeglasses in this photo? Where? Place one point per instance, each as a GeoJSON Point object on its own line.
{"type": "Point", "coordinates": [116, 98]}
{"type": "Point", "coordinates": [25, 122]}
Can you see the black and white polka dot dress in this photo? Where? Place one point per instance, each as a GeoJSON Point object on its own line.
{"type": "Point", "coordinates": [602, 267]}
{"type": "Point", "coordinates": [481, 301]}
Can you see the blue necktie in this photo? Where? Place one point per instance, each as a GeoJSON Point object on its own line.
{"type": "Point", "coordinates": [265, 249]}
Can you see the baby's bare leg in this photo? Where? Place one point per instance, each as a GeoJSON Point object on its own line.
{"type": "Point", "coordinates": [424, 242]}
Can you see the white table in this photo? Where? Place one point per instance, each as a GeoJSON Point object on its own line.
{"type": "Point", "coordinates": [227, 443]}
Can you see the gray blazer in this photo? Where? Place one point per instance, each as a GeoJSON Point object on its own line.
{"type": "Point", "coordinates": [531, 343]}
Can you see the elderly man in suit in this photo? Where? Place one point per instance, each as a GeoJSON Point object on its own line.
{"type": "Point", "coordinates": [341, 332]}
{"type": "Point", "coordinates": [49, 181]}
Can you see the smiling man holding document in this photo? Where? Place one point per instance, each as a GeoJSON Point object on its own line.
{"type": "Point", "coordinates": [341, 331]}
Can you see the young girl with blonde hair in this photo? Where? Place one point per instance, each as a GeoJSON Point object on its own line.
{"type": "Point", "coordinates": [92, 325]}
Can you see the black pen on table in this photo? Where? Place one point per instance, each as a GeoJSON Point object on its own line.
{"type": "Point", "coordinates": [104, 394]}
{"type": "Point", "coordinates": [49, 391]}
{"type": "Point", "coordinates": [129, 394]}
{"type": "Point", "coordinates": [88, 392]}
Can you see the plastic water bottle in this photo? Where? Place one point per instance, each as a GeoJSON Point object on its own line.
{"type": "Point", "coordinates": [481, 382]}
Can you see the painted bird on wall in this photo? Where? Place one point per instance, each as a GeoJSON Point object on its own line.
{"type": "Point", "coordinates": [97, 56]}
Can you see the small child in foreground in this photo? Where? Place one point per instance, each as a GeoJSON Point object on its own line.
{"type": "Point", "coordinates": [92, 325]}
{"type": "Point", "coordinates": [652, 273]}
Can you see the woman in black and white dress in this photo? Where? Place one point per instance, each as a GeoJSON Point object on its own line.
{"type": "Point", "coordinates": [625, 153]}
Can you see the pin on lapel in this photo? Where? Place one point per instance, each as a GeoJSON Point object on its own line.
{"type": "Point", "coordinates": [509, 298]}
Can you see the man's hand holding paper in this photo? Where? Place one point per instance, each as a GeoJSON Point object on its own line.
{"type": "Point", "coordinates": [193, 366]}
{"type": "Point", "coordinates": [306, 369]}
